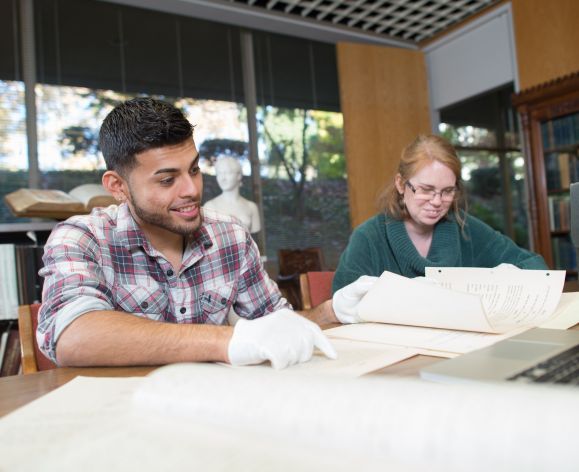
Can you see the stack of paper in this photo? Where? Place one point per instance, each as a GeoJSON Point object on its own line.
{"type": "Point", "coordinates": [457, 310]}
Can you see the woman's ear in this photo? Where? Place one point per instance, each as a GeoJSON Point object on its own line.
{"type": "Point", "coordinates": [115, 185]}
{"type": "Point", "coordinates": [399, 182]}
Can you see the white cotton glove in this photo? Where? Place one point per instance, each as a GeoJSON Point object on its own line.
{"type": "Point", "coordinates": [284, 338]}
{"type": "Point", "coordinates": [346, 300]}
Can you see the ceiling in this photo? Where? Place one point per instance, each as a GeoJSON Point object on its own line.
{"type": "Point", "coordinates": [399, 23]}
{"type": "Point", "coordinates": [406, 20]}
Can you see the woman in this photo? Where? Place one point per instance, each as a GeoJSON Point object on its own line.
{"type": "Point", "coordinates": [421, 224]}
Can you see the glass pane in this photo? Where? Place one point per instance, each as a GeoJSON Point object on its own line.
{"type": "Point", "coordinates": [69, 120]}
{"type": "Point", "coordinates": [482, 178]}
{"type": "Point", "coordinates": [304, 184]}
{"type": "Point", "coordinates": [469, 136]}
{"type": "Point", "coordinates": [564, 252]}
{"type": "Point", "coordinates": [484, 131]}
{"type": "Point", "coordinates": [13, 148]}
{"type": "Point", "coordinates": [518, 197]}
{"type": "Point", "coordinates": [560, 133]}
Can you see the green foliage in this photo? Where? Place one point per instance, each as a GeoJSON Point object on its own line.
{"type": "Point", "coordinates": [327, 146]}
{"type": "Point", "coordinates": [302, 145]}
{"type": "Point", "coordinates": [488, 215]}
{"type": "Point", "coordinates": [486, 182]}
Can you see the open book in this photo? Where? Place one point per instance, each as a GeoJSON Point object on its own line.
{"type": "Point", "coordinates": [468, 299]}
{"type": "Point", "coordinates": [56, 203]}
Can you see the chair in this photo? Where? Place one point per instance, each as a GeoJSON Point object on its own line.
{"type": "Point", "coordinates": [32, 358]}
{"type": "Point", "coordinates": [292, 263]}
{"type": "Point", "coordinates": [316, 288]}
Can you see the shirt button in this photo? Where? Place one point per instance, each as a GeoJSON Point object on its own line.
{"type": "Point", "coordinates": [183, 310]}
{"type": "Point", "coordinates": [144, 305]}
{"type": "Point", "coordinates": [170, 273]}
{"type": "Point", "coordinates": [223, 301]}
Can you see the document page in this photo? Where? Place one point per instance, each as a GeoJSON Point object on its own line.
{"type": "Point", "coordinates": [92, 195]}
{"type": "Point", "coordinates": [447, 342]}
{"type": "Point", "coordinates": [567, 313]}
{"type": "Point", "coordinates": [510, 297]}
{"type": "Point", "coordinates": [355, 358]}
{"type": "Point", "coordinates": [399, 300]}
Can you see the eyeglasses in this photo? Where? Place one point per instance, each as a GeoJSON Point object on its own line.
{"type": "Point", "coordinates": [426, 194]}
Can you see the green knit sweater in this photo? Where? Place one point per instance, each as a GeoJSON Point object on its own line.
{"type": "Point", "coordinates": [382, 243]}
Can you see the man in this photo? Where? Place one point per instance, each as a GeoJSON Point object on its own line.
{"type": "Point", "coordinates": [151, 281]}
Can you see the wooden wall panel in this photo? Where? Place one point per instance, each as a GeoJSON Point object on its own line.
{"type": "Point", "coordinates": [546, 38]}
{"type": "Point", "coordinates": [384, 100]}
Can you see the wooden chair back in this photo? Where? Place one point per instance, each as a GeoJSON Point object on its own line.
{"type": "Point", "coordinates": [292, 263]}
{"type": "Point", "coordinates": [32, 358]}
{"type": "Point", "coordinates": [315, 288]}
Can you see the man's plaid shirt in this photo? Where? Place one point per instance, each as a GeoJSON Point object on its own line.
{"type": "Point", "coordinates": [103, 261]}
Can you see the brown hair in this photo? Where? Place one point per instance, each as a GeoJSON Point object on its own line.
{"type": "Point", "coordinates": [419, 153]}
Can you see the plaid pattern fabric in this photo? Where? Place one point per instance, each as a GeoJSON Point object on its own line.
{"type": "Point", "coordinates": [103, 261]}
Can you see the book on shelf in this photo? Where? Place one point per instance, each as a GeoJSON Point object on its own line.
{"type": "Point", "coordinates": [564, 253]}
{"type": "Point", "coordinates": [483, 300]}
{"type": "Point", "coordinates": [564, 171]}
{"type": "Point", "coordinates": [11, 358]}
{"type": "Point", "coordinates": [559, 212]}
{"type": "Point", "coordinates": [57, 204]}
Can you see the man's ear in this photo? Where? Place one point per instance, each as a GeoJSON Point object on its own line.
{"type": "Point", "coordinates": [115, 185]}
{"type": "Point", "coordinates": [399, 182]}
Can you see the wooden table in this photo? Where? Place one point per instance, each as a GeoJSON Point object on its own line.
{"type": "Point", "coordinates": [18, 390]}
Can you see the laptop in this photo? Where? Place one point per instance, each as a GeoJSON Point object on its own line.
{"type": "Point", "coordinates": [537, 355]}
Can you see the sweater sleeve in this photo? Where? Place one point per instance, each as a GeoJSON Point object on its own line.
{"type": "Point", "coordinates": [493, 248]}
{"type": "Point", "coordinates": [359, 258]}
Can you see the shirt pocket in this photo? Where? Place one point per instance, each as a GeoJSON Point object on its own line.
{"type": "Point", "coordinates": [146, 302]}
{"type": "Point", "coordinates": [216, 304]}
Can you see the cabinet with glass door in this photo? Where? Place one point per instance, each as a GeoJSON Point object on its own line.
{"type": "Point", "coordinates": [550, 121]}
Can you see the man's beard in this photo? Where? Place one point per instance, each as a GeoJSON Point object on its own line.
{"type": "Point", "coordinates": [164, 221]}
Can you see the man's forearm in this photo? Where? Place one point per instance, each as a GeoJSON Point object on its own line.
{"type": "Point", "coordinates": [323, 314]}
{"type": "Point", "coordinates": [109, 338]}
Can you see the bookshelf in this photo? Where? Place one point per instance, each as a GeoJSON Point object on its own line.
{"type": "Point", "coordinates": [21, 248]}
{"type": "Point", "coordinates": [550, 122]}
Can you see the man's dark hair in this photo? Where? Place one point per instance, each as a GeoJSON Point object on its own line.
{"type": "Point", "coordinates": [138, 125]}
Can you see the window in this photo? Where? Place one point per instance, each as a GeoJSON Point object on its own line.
{"type": "Point", "coordinates": [485, 134]}
{"type": "Point", "coordinates": [13, 157]}
{"type": "Point", "coordinates": [303, 179]}
{"type": "Point", "coordinates": [13, 150]}
{"type": "Point", "coordinates": [84, 68]}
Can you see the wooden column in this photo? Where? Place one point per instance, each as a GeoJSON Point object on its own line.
{"type": "Point", "coordinates": [384, 100]}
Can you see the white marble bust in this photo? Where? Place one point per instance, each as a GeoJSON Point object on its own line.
{"type": "Point", "coordinates": [230, 202]}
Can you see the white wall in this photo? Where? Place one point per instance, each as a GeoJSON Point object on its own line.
{"type": "Point", "coordinates": [472, 60]}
